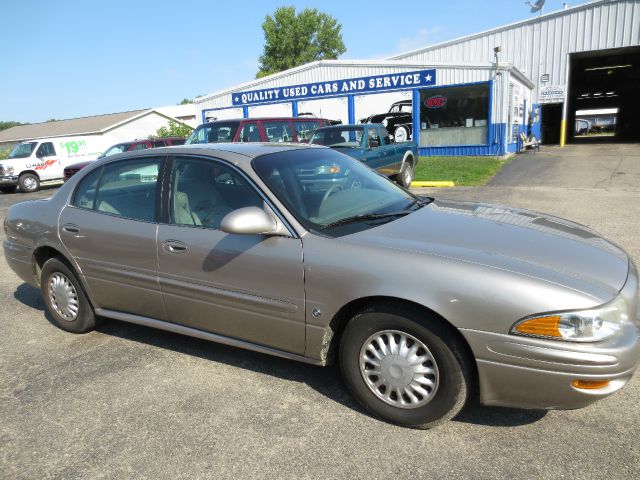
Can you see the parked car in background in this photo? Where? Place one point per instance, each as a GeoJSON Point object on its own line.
{"type": "Point", "coordinates": [278, 130]}
{"type": "Point", "coordinates": [142, 144]}
{"type": "Point", "coordinates": [424, 303]}
{"type": "Point", "coordinates": [134, 145]}
{"type": "Point", "coordinates": [33, 162]}
{"type": "Point", "coordinates": [373, 146]}
{"type": "Point", "coordinates": [398, 120]}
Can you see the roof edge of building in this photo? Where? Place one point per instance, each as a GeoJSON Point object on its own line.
{"type": "Point", "coordinates": [472, 36]}
{"type": "Point", "coordinates": [346, 63]}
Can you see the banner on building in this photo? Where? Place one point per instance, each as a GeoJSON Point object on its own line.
{"type": "Point", "coordinates": [378, 83]}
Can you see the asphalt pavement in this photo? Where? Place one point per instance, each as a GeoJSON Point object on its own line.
{"type": "Point", "coordinates": [127, 402]}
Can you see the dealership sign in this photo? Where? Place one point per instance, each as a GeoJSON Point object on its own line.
{"type": "Point", "coordinates": [378, 83]}
{"type": "Point", "coordinates": [551, 94]}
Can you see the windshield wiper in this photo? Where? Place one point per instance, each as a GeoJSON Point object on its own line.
{"type": "Point", "coordinates": [364, 217]}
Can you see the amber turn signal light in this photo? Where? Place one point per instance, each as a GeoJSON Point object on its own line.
{"type": "Point", "coordinates": [542, 326]}
{"type": "Point", "coordinates": [590, 384]}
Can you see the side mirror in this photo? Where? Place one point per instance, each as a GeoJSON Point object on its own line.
{"type": "Point", "coordinates": [250, 221]}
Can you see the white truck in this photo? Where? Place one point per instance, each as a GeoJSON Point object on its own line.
{"type": "Point", "coordinates": [35, 161]}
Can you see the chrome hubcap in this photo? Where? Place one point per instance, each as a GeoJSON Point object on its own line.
{"type": "Point", "coordinates": [399, 369]}
{"type": "Point", "coordinates": [29, 183]}
{"type": "Point", "coordinates": [63, 296]}
{"type": "Point", "coordinates": [408, 176]}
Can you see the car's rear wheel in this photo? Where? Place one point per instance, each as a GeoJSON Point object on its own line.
{"type": "Point", "coordinates": [405, 177]}
{"type": "Point", "coordinates": [10, 189]}
{"type": "Point", "coordinates": [404, 368]}
{"type": "Point", "coordinates": [29, 182]}
{"type": "Point", "coordinates": [65, 298]}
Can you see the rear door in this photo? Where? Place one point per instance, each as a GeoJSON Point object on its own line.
{"type": "Point", "coordinates": [110, 230]}
{"type": "Point", "coordinates": [248, 287]}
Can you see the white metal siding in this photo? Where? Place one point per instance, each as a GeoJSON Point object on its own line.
{"type": "Point", "coordinates": [445, 75]}
{"type": "Point", "coordinates": [542, 45]}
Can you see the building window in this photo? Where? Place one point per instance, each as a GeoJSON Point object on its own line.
{"type": "Point", "coordinates": [454, 115]}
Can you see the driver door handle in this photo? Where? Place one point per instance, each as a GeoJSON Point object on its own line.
{"type": "Point", "coordinates": [174, 246]}
{"type": "Point", "coordinates": [71, 228]}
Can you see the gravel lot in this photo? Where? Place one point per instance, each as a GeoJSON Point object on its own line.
{"type": "Point", "coordinates": [131, 402]}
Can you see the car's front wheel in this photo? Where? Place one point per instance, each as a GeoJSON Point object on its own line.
{"type": "Point", "coordinates": [29, 182]}
{"type": "Point", "coordinates": [404, 367]}
{"type": "Point", "coordinates": [65, 298]}
{"type": "Point", "coordinates": [405, 177]}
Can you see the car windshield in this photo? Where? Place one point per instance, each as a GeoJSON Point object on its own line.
{"type": "Point", "coordinates": [214, 133]}
{"type": "Point", "coordinates": [347, 137]}
{"type": "Point", "coordinates": [23, 150]}
{"type": "Point", "coordinates": [121, 147]}
{"type": "Point", "coordinates": [330, 192]}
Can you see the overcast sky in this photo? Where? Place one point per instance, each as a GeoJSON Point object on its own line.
{"type": "Point", "coordinates": [66, 59]}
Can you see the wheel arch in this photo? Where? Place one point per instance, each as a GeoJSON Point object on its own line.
{"type": "Point", "coordinates": [408, 157]}
{"type": "Point", "coordinates": [33, 172]}
{"type": "Point", "coordinates": [377, 303]}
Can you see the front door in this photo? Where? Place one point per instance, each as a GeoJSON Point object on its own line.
{"type": "Point", "coordinates": [48, 165]}
{"type": "Point", "coordinates": [110, 230]}
{"type": "Point", "coordinates": [248, 287]}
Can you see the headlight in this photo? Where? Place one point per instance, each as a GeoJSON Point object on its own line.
{"type": "Point", "coordinates": [578, 326]}
{"type": "Point", "coordinates": [9, 170]}
{"type": "Point", "coordinates": [385, 122]}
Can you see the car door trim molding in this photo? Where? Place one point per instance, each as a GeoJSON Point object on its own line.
{"type": "Point", "coordinates": [212, 337]}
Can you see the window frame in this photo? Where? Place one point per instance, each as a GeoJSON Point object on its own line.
{"type": "Point", "coordinates": [167, 193]}
{"type": "Point", "coordinates": [157, 203]}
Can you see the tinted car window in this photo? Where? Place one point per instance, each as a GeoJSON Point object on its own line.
{"type": "Point", "coordinates": [86, 190]}
{"type": "Point", "coordinates": [121, 147]}
{"type": "Point", "coordinates": [126, 188]}
{"type": "Point", "coordinates": [140, 146]}
{"type": "Point", "coordinates": [305, 129]}
{"type": "Point", "coordinates": [214, 132]}
{"type": "Point", "coordinates": [204, 191]}
{"type": "Point", "coordinates": [250, 132]}
{"type": "Point", "coordinates": [339, 137]}
{"type": "Point", "coordinates": [159, 143]}
{"type": "Point", "coordinates": [46, 150]}
{"type": "Point", "coordinates": [278, 131]}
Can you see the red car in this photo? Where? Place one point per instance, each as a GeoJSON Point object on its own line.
{"type": "Point", "coordinates": [71, 170]}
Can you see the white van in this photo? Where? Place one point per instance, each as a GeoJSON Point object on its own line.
{"type": "Point", "coordinates": [43, 160]}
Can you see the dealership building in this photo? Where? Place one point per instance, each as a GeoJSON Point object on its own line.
{"type": "Point", "coordinates": [477, 94]}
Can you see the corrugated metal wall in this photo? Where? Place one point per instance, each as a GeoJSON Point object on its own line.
{"type": "Point", "coordinates": [329, 71]}
{"type": "Point", "coordinates": [542, 45]}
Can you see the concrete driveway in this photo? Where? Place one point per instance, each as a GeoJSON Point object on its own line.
{"type": "Point", "coordinates": [131, 402]}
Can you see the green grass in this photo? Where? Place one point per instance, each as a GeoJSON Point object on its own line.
{"type": "Point", "coordinates": [464, 171]}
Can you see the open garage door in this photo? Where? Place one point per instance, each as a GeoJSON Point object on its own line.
{"type": "Point", "coordinates": [334, 109]}
{"type": "Point", "coordinates": [604, 104]}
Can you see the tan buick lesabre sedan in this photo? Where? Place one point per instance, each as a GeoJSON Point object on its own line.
{"type": "Point", "coordinates": [305, 253]}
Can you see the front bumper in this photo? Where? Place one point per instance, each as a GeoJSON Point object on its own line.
{"type": "Point", "coordinates": [525, 372]}
{"type": "Point", "coordinates": [8, 180]}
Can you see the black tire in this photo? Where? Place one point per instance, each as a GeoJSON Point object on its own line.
{"type": "Point", "coordinates": [10, 189]}
{"type": "Point", "coordinates": [454, 369]}
{"type": "Point", "coordinates": [85, 319]}
{"type": "Point", "coordinates": [29, 182]}
{"type": "Point", "coordinates": [405, 177]}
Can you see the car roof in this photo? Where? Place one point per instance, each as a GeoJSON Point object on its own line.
{"type": "Point", "coordinates": [237, 153]}
{"type": "Point", "coordinates": [263, 119]}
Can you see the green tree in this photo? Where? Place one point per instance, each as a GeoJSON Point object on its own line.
{"type": "Point", "coordinates": [185, 101]}
{"type": "Point", "coordinates": [175, 129]}
{"type": "Point", "coordinates": [10, 124]}
{"type": "Point", "coordinates": [295, 39]}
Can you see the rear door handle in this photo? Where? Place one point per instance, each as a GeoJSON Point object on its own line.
{"type": "Point", "coordinates": [174, 246]}
{"type": "Point", "coordinates": [71, 228]}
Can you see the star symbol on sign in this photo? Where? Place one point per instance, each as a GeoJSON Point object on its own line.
{"type": "Point", "coordinates": [428, 78]}
{"type": "Point", "coordinates": [237, 98]}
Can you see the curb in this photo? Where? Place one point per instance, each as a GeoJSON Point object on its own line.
{"type": "Point", "coordinates": [433, 184]}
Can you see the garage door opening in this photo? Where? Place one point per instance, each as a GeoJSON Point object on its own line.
{"type": "Point", "coordinates": [604, 105]}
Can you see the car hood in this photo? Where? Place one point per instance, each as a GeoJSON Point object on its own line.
{"type": "Point", "coordinates": [520, 241]}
